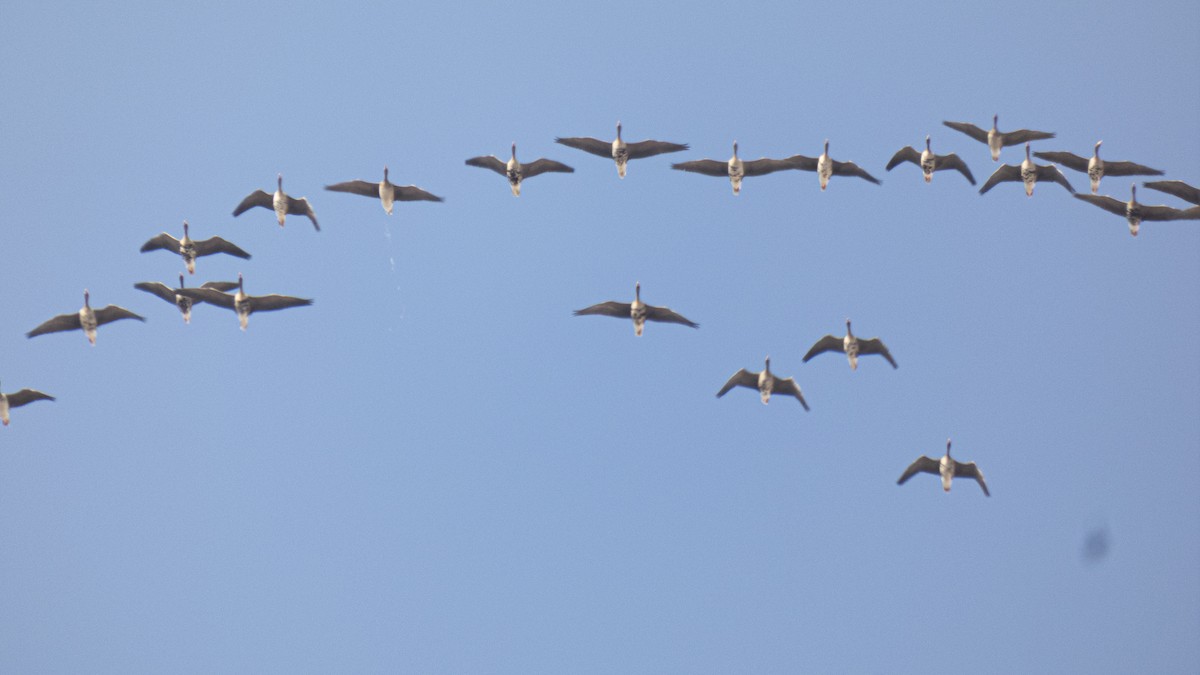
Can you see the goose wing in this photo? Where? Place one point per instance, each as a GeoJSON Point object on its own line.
{"type": "Point", "coordinates": [665, 315]}
{"type": "Point", "coordinates": [59, 323]}
{"type": "Point", "coordinates": [358, 187]}
{"type": "Point", "coordinates": [218, 245]}
{"type": "Point", "coordinates": [1067, 159]}
{"type": "Point", "coordinates": [1107, 203]}
{"type": "Point", "coordinates": [301, 207]}
{"type": "Point", "coordinates": [876, 346]}
{"type": "Point", "coordinates": [269, 303]}
{"type": "Point", "coordinates": [544, 166]}
{"type": "Point", "coordinates": [829, 343]}
{"type": "Point", "coordinates": [643, 149]}
{"type": "Point", "coordinates": [225, 286]}
{"type": "Point", "coordinates": [789, 387]}
{"type": "Point", "coordinates": [969, 470]}
{"type": "Point", "coordinates": [157, 288]}
{"type": "Point", "coordinates": [1177, 188]}
{"type": "Point", "coordinates": [163, 241]}
{"type": "Point", "coordinates": [742, 378]}
{"type": "Point", "coordinates": [953, 161]}
{"type": "Point", "coordinates": [905, 154]}
{"type": "Point", "coordinates": [592, 145]}
{"type": "Point", "coordinates": [1006, 172]}
{"type": "Point", "coordinates": [20, 398]}
{"type": "Point", "coordinates": [412, 193]}
{"type": "Point", "coordinates": [1168, 213]}
{"type": "Point", "coordinates": [1051, 173]}
{"type": "Point", "coordinates": [802, 163]}
{"type": "Point", "coordinates": [256, 198]}
{"type": "Point", "coordinates": [1129, 169]}
{"type": "Point", "coordinates": [922, 465]}
{"type": "Point", "coordinates": [852, 169]}
{"type": "Point", "coordinates": [765, 165]}
{"type": "Point", "coordinates": [210, 295]}
{"type": "Point", "coordinates": [489, 162]}
{"type": "Point", "coordinates": [115, 313]}
{"type": "Point", "coordinates": [1024, 136]}
{"type": "Point", "coordinates": [968, 129]}
{"type": "Point", "coordinates": [610, 308]}
{"type": "Point", "coordinates": [708, 167]}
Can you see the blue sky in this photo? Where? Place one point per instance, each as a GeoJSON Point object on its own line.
{"type": "Point", "coordinates": [436, 468]}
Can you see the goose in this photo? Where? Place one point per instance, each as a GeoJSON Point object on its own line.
{"type": "Point", "coordinates": [86, 319]}
{"type": "Point", "coordinates": [1095, 167]}
{"type": "Point", "coordinates": [734, 168]}
{"type": "Point", "coordinates": [947, 467]}
{"type": "Point", "coordinates": [637, 310]}
{"type": "Point", "coordinates": [516, 171]}
{"type": "Point", "coordinates": [241, 303]}
{"type": "Point", "coordinates": [852, 346]}
{"type": "Point", "coordinates": [387, 192]}
{"type": "Point", "coordinates": [827, 167]}
{"type": "Point", "coordinates": [930, 162]}
{"type": "Point", "coordinates": [280, 202]}
{"type": "Point", "coordinates": [766, 383]}
{"type": "Point", "coordinates": [1136, 212]}
{"type": "Point", "coordinates": [1028, 173]}
{"type": "Point", "coordinates": [997, 139]}
{"type": "Point", "coordinates": [18, 399]}
{"type": "Point", "coordinates": [620, 151]}
{"type": "Point", "coordinates": [183, 302]}
{"type": "Point", "coordinates": [191, 249]}
{"type": "Point", "coordinates": [1177, 188]}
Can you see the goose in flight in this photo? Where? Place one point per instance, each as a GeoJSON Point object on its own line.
{"type": "Point", "coordinates": [515, 171]}
{"type": "Point", "coordinates": [947, 467]}
{"type": "Point", "coordinates": [766, 383]}
{"type": "Point", "coordinates": [735, 168]}
{"type": "Point", "coordinates": [86, 319]}
{"type": "Point", "coordinates": [191, 249]}
{"type": "Point", "coordinates": [1177, 188]}
{"type": "Point", "coordinates": [241, 303]}
{"type": "Point", "coordinates": [827, 167]}
{"type": "Point", "coordinates": [1028, 173]}
{"type": "Point", "coordinates": [1095, 167]}
{"type": "Point", "coordinates": [620, 151]}
{"type": "Point", "coordinates": [280, 202]}
{"type": "Point", "coordinates": [996, 139]}
{"type": "Point", "coordinates": [637, 310]}
{"type": "Point", "coordinates": [385, 191]}
{"type": "Point", "coordinates": [18, 399]}
{"type": "Point", "coordinates": [930, 162]}
{"type": "Point", "coordinates": [852, 346]}
{"type": "Point", "coordinates": [1135, 212]}
{"type": "Point", "coordinates": [183, 302]}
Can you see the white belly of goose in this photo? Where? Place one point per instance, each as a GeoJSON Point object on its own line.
{"type": "Point", "coordinates": [850, 346]}
{"type": "Point", "coordinates": [620, 154]}
{"type": "Point", "coordinates": [1095, 172]}
{"type": "Point", "coordinates": [736, 173]}
{"type": "Point", "coordinates": [824, 170]}
{"type": "Point", "coordinates": [279, 203]}
{"type": "Point", "coordinates": [637, 311]}
{"type": "Point", "coordinates": [87, 321]}
{"type": "Point", "coordinates": [387, 196]}
{"type": "Point", "coordinates": [994, 145]}
{"type": "Point", "coordinates": [927, 165]}
{"type": "Point", "coordinates": [4, 409]}
{"type": "Point", "coordinates": [946, 468]}
{"type": "Point", "coordinates": [766, 384]}
{"type": "Point", "coordinates": [1028, 177]}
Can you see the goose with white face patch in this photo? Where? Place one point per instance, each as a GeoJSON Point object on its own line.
{"type": "Point", "coordinates": [620, 151]}
{"type": "Point", "coordinates": [766, 383]}
{"type": "Point", "coordinates": [947, 467]}
{"type": "Point", "coordinates": [18, 399]}
{"type": "Point", "coordinates": [929, 162]}
{"type": "Point", "coordinates": [1095, 167]}
{"type": "Point", "coordinates": [86, 319]}
{"type": "Point", "coordinates": [851, 346]}
{"type": "Point", "coordinates": [996, 139]}
{"type": "Point", "coordinates": [280, 202]}
{"type": "Point", "coordinates": [385, 191]}
{"type": "Point", "coordinates": [1027, 173]}
{"type": "Point", "coordinates": [734, 168]}
{"type": "Point", "coordinates": [515, 171]}
{"type": "Point", "coordinates": [190, 249]}
{"type": "Point", "coordinates": [637, 310]}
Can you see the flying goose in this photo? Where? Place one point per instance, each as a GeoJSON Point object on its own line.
{"type": "Point", "coordinates": [766, 383]}
{"type": "Point", "coordinates": [387, 192]}
{"type": "Point", "coordinates": [734, 167]}
{"type": "Point", "coordinates": [1136, 212]}
{"type": "Point", "coordinates": [244, 305]}
{"type": "Point", "coordinates": [86, 319]}
{"type": "Point", "coordinates": [1177, 188]}
{"type": "Point", "coordinates": [930, 162]}
{"type": "Point", "coordinates": [183, 302]}
{"type": "Point", "coordinates": [516, 171]}
{"type": "Point", "coordinates": [191, 249]}
{"type": "Point", "coordinates": [852, 346]}
{"type": "Point", "coordinates": [639, 311]}
{"type": "Point", "coordinates": [1095, 167]}
{"type": "Point", "coordinates": [620, 151]}
{"type": "Point", "coordinates": [826, 167]}
{"type": "Point", "coordinates": [947, 467]}
{"type": "Point", "coordinates": [996, 139]}
{"type": "Point", "coordinates": [18, 399]}
{"type": "Point", "coordinates": [1028, 173]}
{"type": "Point", "coordinates": [280, 202]}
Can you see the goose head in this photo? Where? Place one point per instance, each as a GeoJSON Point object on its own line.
{"type": "Point", "coordinates": [735, 149]}
{"type": "Point", "coordinates": [618, 130]}
{"type": "Point", "coordinates": [826, 151]}
{"type": "Point", "coordinates": [181, 280]}
{"type": "Point", "coordinates": [848, 331]}
{"type": "Point", "coordinates": [240, 284]}
{"type": "Point", "coordinates": [947, 447]}
{"type": "Point", "coordinates": [637, 291]}
{"type": "Point", "coordinates": [767, 365]}
{"type": "Point", "coordinates": [927, 142]}
{"type": "Point", "coordinates": [1027, 156]}
{"type": "Point", "coordinates": [385, 173]}
{"type": "Point", "coordinates": [185, 229]}
{"type": "Point", "coordinates": [279, 181]}
{"type": "Point", "coordinates": [1096, 150]}
{"type": "Point", "coordinates": [995, 121]}
{"type": "Point", "coordinates": [514, 150]}
{"type": "Point", "coordinates": [86, 298]}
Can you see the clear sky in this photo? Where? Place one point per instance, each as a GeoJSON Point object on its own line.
{"type": "Point", "coordinates": [437, 469]}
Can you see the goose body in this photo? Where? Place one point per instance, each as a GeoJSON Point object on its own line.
{"type": "Point", "coordinates": [996, 139]}
{"type": "Point", "coordinates": [851, 346]}
{"type": "Point", "coordinates": [190, 249]}
{"type": "Point", "coordinates": [620, 151]}
{"type": "Point", "coordinates": [1135, 212]}
{"type": "Point", "coordinates": [766, 383]}
{"type": "Point", "coordinates": [183, 302]}
{"type": "Point", "coordinates": [242, 303]}
{"type": "Point", "coordinates": [947, 467]}
{"type": "Point", "coordinates": [1028, 173]}
{"type": "Point", "coordinates": [515, 171]}
{"type": "Point", "coordinates": [637, 310]}
{"type": "Point", "coordinates": [1176, 188]}
{"type": "Point", "coordinates": [280, 202]}
{"type": "Point", "coordinates": [387, 192]}
{"type": "Point", "coordinates": [86, 319]}
{"type": "Point", "coordinates": [734, 167]}
{"type": "Point", "coordinates": [18, 399]}
{"type": "Point", "coordinates": [1095, 167]}
{"type": "Point", "coordinates": [930, 162]}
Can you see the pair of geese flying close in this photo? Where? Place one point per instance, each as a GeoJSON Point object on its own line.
{"type": "Point", "coordinates": [385, 191]}
{"type": "Point", "coordinates": [736, 169]}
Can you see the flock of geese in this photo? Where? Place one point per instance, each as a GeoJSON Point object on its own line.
{"type": "Point", "coordinates": [1029, 173]}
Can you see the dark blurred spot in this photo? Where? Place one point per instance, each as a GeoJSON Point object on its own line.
{"type": "Point", "coordinates": [1095, 545]}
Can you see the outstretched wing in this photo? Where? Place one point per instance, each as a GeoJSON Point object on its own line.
{"type": "Point", "coordinates": [1107, 203]}
{"type": "Point", "coordinates": [905, 154]}
{"type": "Point", "coordinates": [789, 387]}
{"type": "Point", "coordinates": [114, 313]}
{"type": "Point", "coordinates": [1129, 169]}
{"type": "Point", "coordinates": [59, 323]}
{"type": "Point", "coordinates": [489, 162]}
{"type": "Point", "coordinates": [544, 166]}
{"type": "Point", "coordinates": [1021, 136]}
{"type": "Point", "coordinates": [1051, 173]}
{"type": "Point", "coordinates": [610, 308]}
{"type": "Point", "coordinates": [667, 316]}
{"type": "Point", "coordinates": [269, 303]}
{"type": "Point", "coordinates": [651, 148]}
{"type": "Point", "coordinates": [164, 241]}
{"type": "Point", "coordinates": [586, 144]}
{"type": "Point", "coordinates": [358, 187]}
{"type": "Point", "coordinates": [412, 193]}
{"type": "Point", "coordinates": [1006, 172]}
{"type": "Point", "coordinates": [209, 295]}
{"type": "Point", "coordinates": [829, 343]}
{"type": "Point", "coordinates": [876, 346]}
{"type": "Point", "coordinates": [24, 396]}
{"type": "Point", "coordinates": [1067, 159]}
{"type": "Point", "coordinates": [742, 378]}
{"type": "Point", "coordinates": [953, 161]}
{"type": "Point", "coordinates": [301, 207]}
{"type": "Point", "coordinates": [922, 465]}
{"type": "Point", "coordinates": [852, 169]}
{"type": "Point", "coordinates": [766, 165]}
{"type": "Point", "coordinates": [969, 470]}
{"type": "Point", "coordinates": [157, 288]}
{"type": "Point", "coordinates": [220, 285]}
{"type": "Point", "coordinates": [218, 245]}
{"type": "Point", "coordinates": [968, 129]}
{"type": "Point", "coordinates": [1177, 188]}
{"type": "Point", "coordinates": [708, 167]}
{"type": "Point", "coordinates": [256, 198]}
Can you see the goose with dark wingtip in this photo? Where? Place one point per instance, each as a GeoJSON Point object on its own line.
{"type": "Point", "coordinates": [18, 399]}
{"type": "Point", "coordinates": [947, 467]}
{"type": "Point", "coordinates": [637, 310]}
{"type": "Point", "coordinates": [242, 304]}
{"type": "Point", "coordinates": [620, 151]}
{"type": "Point", "coordinates": [766, 383]}
{"type": "Point", "coordinates": [86, 319]}
{"type": "Point", "coordinates": [853, 347]}
{"type": "Point", "coordinates": [281, 203]}
{"type": "Point", "coordinates": [1176, 188]}
{"type": "Point", "coordinates": [1135, 212]}
{"type": "Point", "coordinates": [996, 139]}
{"type": "Point", "coordinates": [1095, 167]}
{"type": "Point", "coordinates": [1027, 173]}
{"type": "Point", "coordinates": [827, 167]}
{"type": "Point", "coordinates": [929, 162]}
{"type": "Point", "coordinates": [515, 171]}
{"type": "Point", "coordinates": [734, 168]}
{"type": "Point", "coordinates": [385, 191]}
{"type": "Point", "coordinates": [191, 249]}
{"type": "Point", "coordinates": [183, 302]}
